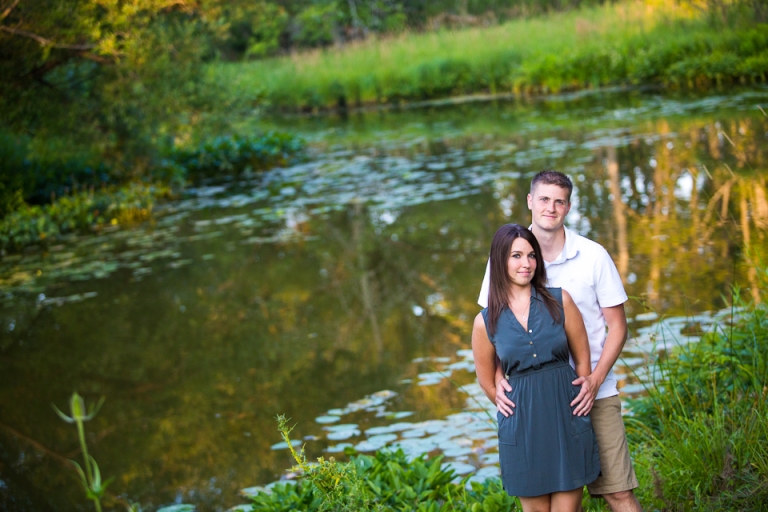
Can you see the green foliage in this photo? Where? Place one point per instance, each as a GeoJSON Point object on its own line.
{"type": "Point", "coordinates": [232, 155]}
{"type": "Point", "coordinates": [700, 433]}
{"type": "Point", "coordinates": [253, 28]}
{"type": "Point", "coordinates": [81, 211]}
{"type": "Point", "coordinates": [42, 200]}
{"type": "Point", "coordinates": [385, 481]}
{"type": "Point", "coordinates": [27, 181]}
{"type": "Point", "coordinates": [115, 80]}
{"type": "Point", "coordinates": [315, 25]}
{"type": "Point", "coordinates": [13, 185]}
{"type": "Point", "coordinates": [523, 56]}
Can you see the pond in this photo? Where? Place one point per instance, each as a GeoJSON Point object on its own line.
{"type": "Point", "coordinates": [340, 291]}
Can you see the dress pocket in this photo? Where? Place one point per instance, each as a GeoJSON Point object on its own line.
{"type": "Point", "coordinates": [507, 429]}
{"type": "Point", "coordinates": [580, 424]}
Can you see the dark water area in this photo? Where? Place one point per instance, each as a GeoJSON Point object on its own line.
{"type": "Point", "coordinates": [340, 292]}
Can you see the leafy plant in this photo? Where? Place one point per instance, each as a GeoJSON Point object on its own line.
{"type": "Point", "coordinates": [90, 478]}
{"type": "Point", "coordinates": [79, 212]}
{"type": "Point", "coordinates": [229, 155]}
{"type": "Point", "coordinates": [387, 481]}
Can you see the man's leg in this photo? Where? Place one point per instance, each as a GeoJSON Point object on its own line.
{"type": "Point", "coordinates": [617, 477]}
{"type": "Point", "coordinates": [623, 501]}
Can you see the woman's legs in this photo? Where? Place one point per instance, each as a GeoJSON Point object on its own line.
{"type": "Point", "coordinates": [566, 501]}
{"type": "Point", "coordinates": [536, 503]}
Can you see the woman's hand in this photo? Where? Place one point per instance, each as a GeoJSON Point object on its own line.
{"type": "Point", "coordinates": [503, 404]}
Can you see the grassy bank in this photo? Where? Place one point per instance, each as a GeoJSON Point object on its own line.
{"type": "Point", "coordinates": [616, 44]}
{"type": "Point", "coordinates": [701, 434]}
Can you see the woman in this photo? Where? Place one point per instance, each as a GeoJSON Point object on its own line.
{"type": "Point", "coordinates": [547, 452]}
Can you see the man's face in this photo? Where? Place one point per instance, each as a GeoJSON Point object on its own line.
{"type": "Point", "coordinates": [549, 205]}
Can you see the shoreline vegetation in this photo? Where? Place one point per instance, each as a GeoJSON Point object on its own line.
{"type": "Point", "coordinates": [53, 182]}
{"type": "Point", "coordinates": [83, 200]}
{"type": "Point", "coordinates": [697, 437]}
{"type": "Point", "coordinates": [618, 44]}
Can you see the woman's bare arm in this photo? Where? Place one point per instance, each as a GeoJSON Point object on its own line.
{"type": "Point", "coordinates": [485, 358]}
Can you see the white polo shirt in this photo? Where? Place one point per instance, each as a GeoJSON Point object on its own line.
{"type": "Point", "coordinates": [586, 271]}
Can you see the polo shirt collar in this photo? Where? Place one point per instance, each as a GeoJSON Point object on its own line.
{"type": "Point", "coordinates": [570, 249]}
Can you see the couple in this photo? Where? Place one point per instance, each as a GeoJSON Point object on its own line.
{"type": "Point", "coordinates": [559, 429]}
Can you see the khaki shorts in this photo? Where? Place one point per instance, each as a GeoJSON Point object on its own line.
{"type": "Point", "coordinates": [616, 472]}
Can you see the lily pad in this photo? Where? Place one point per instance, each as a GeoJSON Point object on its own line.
{"type": "Point", "coordinates": [177, 508]}
{"type": "Point", "coordinates": [284, 446]}
{"type": "Point", "coordinates": [327, 419]}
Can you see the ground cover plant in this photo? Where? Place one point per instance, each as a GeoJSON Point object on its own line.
{"type": "Point", "coordinates": [630, 43]}
{"type": "Point", "coordinates": [387, 480]}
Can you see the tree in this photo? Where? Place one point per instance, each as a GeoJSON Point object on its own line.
{"type": "Point", "coordinates": [109, 75]}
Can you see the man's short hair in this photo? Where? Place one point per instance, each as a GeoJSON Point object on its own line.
{"type": "Point", "coordinates": [551, 177]}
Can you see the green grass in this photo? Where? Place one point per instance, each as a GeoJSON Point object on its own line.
{"type": "Point", "coordinates": [700, 437]}
{"type": "Point", "coordinates": [616, 44]}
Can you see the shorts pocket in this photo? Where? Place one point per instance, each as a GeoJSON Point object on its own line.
{"type": "Point", "coordinates": [507, 429]}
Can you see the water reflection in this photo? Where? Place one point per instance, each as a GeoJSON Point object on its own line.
{"type": "Point", "coordinates": [308, 290]}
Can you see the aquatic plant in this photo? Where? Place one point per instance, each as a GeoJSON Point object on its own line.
{"type": "Point", "coordinates": [227, 155]}
{"type": "Point", "coordinates": [86, 210]}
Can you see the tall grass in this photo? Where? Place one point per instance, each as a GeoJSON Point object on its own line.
{"type": "Point", "coordinates": [701, 435]}
{"type": "Point", "coordinates": [625, 43]}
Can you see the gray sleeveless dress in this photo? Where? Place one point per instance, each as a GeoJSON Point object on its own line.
{"type": "Point", "coordinates": [543, 447]}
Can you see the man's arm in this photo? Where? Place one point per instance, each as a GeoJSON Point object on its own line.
{"type": "Point", "coordinates": [616, 320]}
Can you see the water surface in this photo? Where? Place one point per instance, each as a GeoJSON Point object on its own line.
{"type": "Point", "coordinates": [340, 291]}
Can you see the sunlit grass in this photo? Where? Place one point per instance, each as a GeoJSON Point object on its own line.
{"type": "Point", "coordinates": [583, 48]}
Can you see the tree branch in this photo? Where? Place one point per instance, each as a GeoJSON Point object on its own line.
{"type": "Point", "coordinates": [9, 9]}
{"type": "Point", "coordinates": [47, 42]}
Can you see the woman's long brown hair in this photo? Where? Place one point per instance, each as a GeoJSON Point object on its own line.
{"type": "Point", "coordinates": [498, 293]}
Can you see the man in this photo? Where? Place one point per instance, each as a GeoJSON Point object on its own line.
{"type": "Point", "coordinates": [584, 269]}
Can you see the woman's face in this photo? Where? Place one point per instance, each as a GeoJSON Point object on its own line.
{"type": "Point", "coordinates": [521, 264]}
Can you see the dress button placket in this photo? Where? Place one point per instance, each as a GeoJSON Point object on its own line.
{"type": "Point", "coordinates": [530, 342]}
